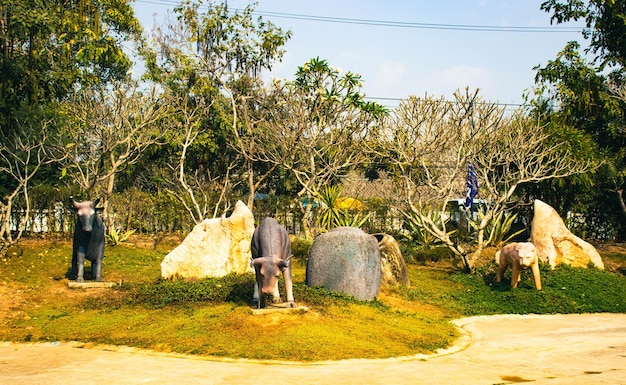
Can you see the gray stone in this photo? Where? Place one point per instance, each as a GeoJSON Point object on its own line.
{"type": "Point", "coordinates": [554, 242]}
{"type": "Point", "coordinates": [393, 267]}
{"type": "Point", "coordinates": [214, 248]}
{"type": "Point", "coordinates": [345, 260]}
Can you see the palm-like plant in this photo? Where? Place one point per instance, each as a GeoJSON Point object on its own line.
{"type": "Point", "coordinates": [417, 232]}
{"type": "Point", "coordinates": [498, 230]}
{"type": "Point", "coordinates": [331, 215]}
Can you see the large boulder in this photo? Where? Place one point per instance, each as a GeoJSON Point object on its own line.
{"type": "Point", "coordinates": [214, 248]}
{"type": "Point", "coordinates": [345, 260]}
{"type": "Point", "coordinates": [554, 242]}
{"type": "Point", "coordinates": [393, 267]}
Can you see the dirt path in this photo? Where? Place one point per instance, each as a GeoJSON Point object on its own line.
{"type": "Point", "coordinates": [553, 349]}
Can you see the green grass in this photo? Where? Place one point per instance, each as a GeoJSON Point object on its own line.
{"type": "Point", "coordinates": [565, 290]}
{"type": "Point", "coordinates": [213, 317]}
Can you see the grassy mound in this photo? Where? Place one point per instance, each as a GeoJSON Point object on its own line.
{"type": "Point", "coordinates": [213, 317]}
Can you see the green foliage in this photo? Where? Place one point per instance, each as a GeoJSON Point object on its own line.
{"type": "Point", "coordinates": [582, 92]}
{"type": "Point", "coordinates": [498, 230]}
{"type": "Point", "coordinates": [56, 45]}
{"type": "Point", "coordinates": [300, 247]}
{"type": "Point", "coordinates": [431, 254]}
{"type": "Point", "coordinates": [230, 288]}
{"type": "Point", "coordinates": [565, 290]}
{"type": "Point", "coordinates": [416, 232]}
{"type": "Point", "coordinates": [329, 214]}
{"type": "Point", "coordinates": [116, 236]}
{"type": "Point", "coordinates": [348, 219]}
{"type": "Point", "coordinates": [605, 21]}
{"type": "Point", "coordinates": [332, 216]}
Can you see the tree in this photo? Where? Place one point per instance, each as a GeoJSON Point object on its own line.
{"type": "Point", "coordinates": [109, 129]}
{"type": "Point", "coordinates": [579, 96]}
{"type": "Point", "coordinates": [320, 120]}
{"type": "Point", "coordinates": [196, 190]}
{"type": "Point", "coordinates": [430, 143]}
{"type": "Point", "coordinates": [47, 47]}
{"type": "Point", "coordinates": [605, 26]}
{"type": "Point", "coordinates": [22, 153]}
{"type": "Point", "coordinates": [218, 53]}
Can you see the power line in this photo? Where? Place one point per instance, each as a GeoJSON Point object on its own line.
{"type": "Point", "coordinates": [457, 27]}
{"type": "Point", "coordinates": [401, 24]}
{"type": "Point", "coordinates": [396, 24]}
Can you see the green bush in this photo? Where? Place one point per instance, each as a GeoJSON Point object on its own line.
{"type": "Point", "coordinates": [236, 288]}
{"type": "Point", "coordinates": [498, 231]}
{"type": "Point", "coordinates": [300, 247]}
{"type": "Point", "coordinates": [116, 236]}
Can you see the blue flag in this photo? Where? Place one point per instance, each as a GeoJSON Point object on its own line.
{"type": "Point", "coordinates": [472, 185]}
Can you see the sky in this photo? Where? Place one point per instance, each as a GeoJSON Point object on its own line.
{"type": "Point", "coordinates": [448, 45]}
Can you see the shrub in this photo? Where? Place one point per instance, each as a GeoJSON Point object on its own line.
{"type": "Point", "coordinates": [116, 237]}
{"type": "Point", "coordinates": [235, 288]}
{"type": "Point", "coordinates": [300, 247]}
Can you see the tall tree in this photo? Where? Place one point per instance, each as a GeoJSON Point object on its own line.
{"type": "Point", "coordinates": [320, 120]}
{"type": "Point", "coordinates": [212, 51]}
{"type": "Point", "coordinates": [23, 152]}
{"type": "Point", "coordinates": [579, 95]}
{"type": "Point", "coordinates": [605, 26]}
{"type": "Point", "coordinates": [431, 143]}
{"type": "Point", "coordinates": [47, 47]}
{"type": "Point", "coordinates": [108, 129]}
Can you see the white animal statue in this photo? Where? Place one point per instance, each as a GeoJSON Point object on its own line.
{"type": "Point", "coordinates": [518, 256]}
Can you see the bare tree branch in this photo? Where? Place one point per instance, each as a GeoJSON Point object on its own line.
{"type": "Point", "coordinates": [430, 143]}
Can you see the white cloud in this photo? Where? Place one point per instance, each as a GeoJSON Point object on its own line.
{"type": "Point", "coordinates": [390, 73]}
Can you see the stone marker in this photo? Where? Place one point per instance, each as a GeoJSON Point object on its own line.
{"type": "Point", "coordinates": [346, 260]}
{"type": "Point", "coordinates": [92, 285]}
{"type": "Point", "coordinates": [279, 308]}
{"type": "Point", "coordinates": [554, 242]}
{"type": "Point", "coordinates": [214, 248]}
{"type": "Point", "coordinates": [393, 266]}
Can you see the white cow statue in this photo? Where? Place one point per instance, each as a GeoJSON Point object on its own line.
{"type": "Point", "coordinates": [518, 256]}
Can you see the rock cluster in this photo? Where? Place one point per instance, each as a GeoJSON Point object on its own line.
{"type": "Point", "coordinates": [345, 260]}
{"type": "Point", "coordinates": [393, 267]}
{"type": "Point", "coordinates": [554, 242]}
{"type": "Point", "coordinates": [214, 248]}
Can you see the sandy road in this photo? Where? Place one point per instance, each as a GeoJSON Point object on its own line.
{"type": "Point", "coordinates": [548, 349]}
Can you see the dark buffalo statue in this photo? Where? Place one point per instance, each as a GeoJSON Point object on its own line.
{"type": "Point", "coordinates": [271, 254]}
{"type": "Point", "coordinates": [88, 239]}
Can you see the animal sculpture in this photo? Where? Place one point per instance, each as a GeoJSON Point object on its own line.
{"type": "Point", "coordinates": [88, 240]}
{"type": "Point", "coordinates": [518, 256]}
{"type": "Point", "coordinates": [271, 254]}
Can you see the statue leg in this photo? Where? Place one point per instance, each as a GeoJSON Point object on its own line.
{"type": "Point", "coordinates": [536, 277]}
{"type": "Point", "coordinates": [255, 295]}
{"type": "Point", "coordinates": [515, 277]}
{"type": "Point", "coordinates": [501, 271]}
{"type": "Point", "coordinates": [258, 298]}
{"type": "Point", "coordinates": [80, 267]}
{"type": "Point", "coordinates": [96, 270]}
{"type": "Point", "coordinates": [289, 287]}
{"type": "Point", "coordinates": [74, 271]}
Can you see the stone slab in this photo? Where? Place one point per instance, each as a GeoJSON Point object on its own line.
{"type": "Point", "coordinates": [279, 308]}
{"type": "Point", "coordinates": [91, 285]}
